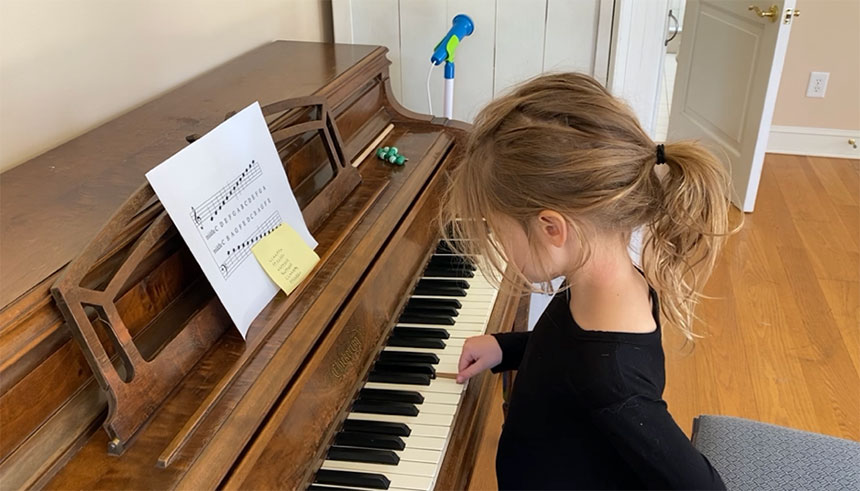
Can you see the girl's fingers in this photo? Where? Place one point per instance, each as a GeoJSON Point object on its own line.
{"type": "Point", "coordinates": [469, 372]}
{"type": "Point", "coordinates": [473, 368]}
{"type": "Point", "coordinates": [466, 358]}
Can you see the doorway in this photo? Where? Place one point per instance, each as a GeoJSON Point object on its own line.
{"type": "Point", "coordinates": [726, 76]}
{"type": "Point", "coordinates": [674, 37]}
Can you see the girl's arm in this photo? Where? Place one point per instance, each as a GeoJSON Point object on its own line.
{"type": "Point", "coordinates": [513, 346]}
{"type": "Point", "coordinates": [651, 443]}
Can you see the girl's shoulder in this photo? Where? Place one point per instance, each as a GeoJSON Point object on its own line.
{"type": "Point", "coordinates": [606, 372]}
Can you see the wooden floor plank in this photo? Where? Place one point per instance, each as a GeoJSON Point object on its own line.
{"type": "Point", "coordinates": [833, 179]}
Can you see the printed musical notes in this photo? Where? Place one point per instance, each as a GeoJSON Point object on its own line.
{"type": "Point", "coordinates": [241, 250]}
{"type": "Point", "coordinates": [225, 192]}
{"type": "Point", "coordinates": [219, 201]}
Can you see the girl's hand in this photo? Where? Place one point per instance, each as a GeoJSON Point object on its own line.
{"type": "Point", "coordinates": [479, 353]}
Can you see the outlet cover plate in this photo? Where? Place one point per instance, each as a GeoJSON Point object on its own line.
{"type": "Point", "coordinates": [817, 84]}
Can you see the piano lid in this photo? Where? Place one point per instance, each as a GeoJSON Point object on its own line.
{"type": "Point", "coordinates": [55, 203]}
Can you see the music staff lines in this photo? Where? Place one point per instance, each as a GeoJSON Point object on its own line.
{"type": "Point", "coordinates": [209, 209]}
{"type": "Point", "coordinates": [237, 254]}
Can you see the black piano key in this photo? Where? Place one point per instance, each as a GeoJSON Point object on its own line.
{"type": "Point", "coordinates": [427, 343]}
{"type": "Point", "coordinates": [363, 455]}
{"type": "Point", "coordinates": [451, 262]}
{"type": "Point", "coordinates": [400, 378]}
{"type": "Point", "coordinates": [385, 407]}
{"type": "Point", "coordinates": [436, 291]}
{"type": "Point", "coordinates": [444, 248]}
{"type": "Point", "coordinates": [433, 302]}
{"type": "Point", "coordinates": [439, 320]}
{"type": "Point", "coordinates": [369, 440]}
{"type": "Point", "coordinates": [350, 478]}
{"type": "Point", "coordinates": [314, 487]}
{"type": "Point", "coordinates": [421, 332]}
{"type": "Point", "coordinates": [449, 273]}
{"type": "Point", "coordinates": [391, 395]}
{"type": "Point", "coordinates": [376, 427]}
{"type": "Point", "coordinates": [444, 283]}
{"type": "Point", "coordinates": [384, 366]}
{"type": "Point", "coordinates": [409, 357]}
{"type": "Point", "coordinates": [448, 311]}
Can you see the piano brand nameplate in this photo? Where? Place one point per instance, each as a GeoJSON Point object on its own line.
{"type": "Point", "coordinates": [225, 192]}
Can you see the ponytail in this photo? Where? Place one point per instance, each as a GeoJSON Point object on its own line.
{"type": "Point", "coordinates": [688, 229]}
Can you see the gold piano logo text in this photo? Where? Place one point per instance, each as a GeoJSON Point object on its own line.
{"type": "Point", "coordinates": [346, 357]}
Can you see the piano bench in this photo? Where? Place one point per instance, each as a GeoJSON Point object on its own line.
{"type": "Point", "coordinates": [759, 456]}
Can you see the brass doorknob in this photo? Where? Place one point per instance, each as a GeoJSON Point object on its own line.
{"type": "Point", "coordinates": [770, 13]}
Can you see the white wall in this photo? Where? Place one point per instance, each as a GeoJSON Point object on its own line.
{"type": "Point", "coordinates": [513, 41]}
{"type": "Point", "coordinates": [67, 66]}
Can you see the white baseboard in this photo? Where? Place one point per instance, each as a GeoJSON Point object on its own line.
{"type": "Point", "coordinates": [818, 142]}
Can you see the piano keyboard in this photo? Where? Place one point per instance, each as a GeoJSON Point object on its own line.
{"type": "Point", "coordinates": [397, 430]}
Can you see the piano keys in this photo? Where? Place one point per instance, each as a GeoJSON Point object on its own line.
{"type": "Point", "coordinates": [345, 383]}
{"type": "Point", "coordinates": [423, 402]}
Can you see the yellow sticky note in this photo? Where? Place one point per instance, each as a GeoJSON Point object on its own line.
{"type": "Point", "coordinates": [285, 257]}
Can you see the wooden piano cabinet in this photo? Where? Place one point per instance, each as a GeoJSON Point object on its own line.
{"type": "Point", "coordinates": [256, 412]}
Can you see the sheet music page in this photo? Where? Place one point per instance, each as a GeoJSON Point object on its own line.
{"type": "Point", "coordinates": [224, 192]}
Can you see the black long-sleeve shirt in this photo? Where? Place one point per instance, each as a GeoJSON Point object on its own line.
{"type": "Point", "coordinates": [586, 411]}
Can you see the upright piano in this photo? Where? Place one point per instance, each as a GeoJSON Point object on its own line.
{"type": "Point", "coordinates": [119, 367]}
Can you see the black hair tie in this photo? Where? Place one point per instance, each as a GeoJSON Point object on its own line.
{"type": "Point", "coordinates": [661, 154]}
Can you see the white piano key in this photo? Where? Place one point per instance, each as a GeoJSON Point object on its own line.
{"type": "Point", "coordinates": [403, 468]}
{"type": "Point", "coordinates": [333, 487]}
{"type": "Point", "coordinates": [477, 297]}
{"type": "Point", "coordinates": [457, 325]}
{"type": "Point", "coordinates": [436, 385]}
{"type": "Point", "coordinates": [398, 480]}
{"type": "Point", "coordinates": [421, 418]}
{"type": "Point", "coordinates": [447, 368]}
{"type": "Point", "coordinates": [423, 442]}
{"type": "Point", "coordinates": [419, 455]}
{"type": "Point", "coordinates": [431, 408]}
{"type": "Point", "coordinates": [414, 350]}
{"type": "Point", "coordinates": [463, 327]}
{"type": "Point", "coordinates": [429, 431]}
{"type": "Point", "coordinates": [439, 398]}
{"type": "Point", "coordinates": [436, 397]}
{"type": "Point", "coordinates": [450, 358]}
{"type": "Point", "coordinates": [452, 333]}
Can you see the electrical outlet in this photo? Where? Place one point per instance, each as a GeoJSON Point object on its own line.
{"type": "Point", "coordinates": [817, 84]}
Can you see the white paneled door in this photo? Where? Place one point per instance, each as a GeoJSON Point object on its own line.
{"type": "Point", "coordinates": [513, 40]}
{"type": "Point", "coordinates": [729, 67]}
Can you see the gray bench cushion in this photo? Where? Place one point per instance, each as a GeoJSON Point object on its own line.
{"type": "Point", "coordinates": [758, 456]}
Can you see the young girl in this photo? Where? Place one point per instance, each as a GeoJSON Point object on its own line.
{"type": "Point", "coordinates": [555, 178]}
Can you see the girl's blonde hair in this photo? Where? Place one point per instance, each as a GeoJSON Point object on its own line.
{"type": "Point", "coordinates": [562, 142]}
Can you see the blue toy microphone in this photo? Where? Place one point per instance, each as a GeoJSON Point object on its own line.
{"type": "Point", "coordinates": [444, 51]}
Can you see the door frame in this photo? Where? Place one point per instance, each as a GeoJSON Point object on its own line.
{"type": "Point", "coordinates": [633, 40]}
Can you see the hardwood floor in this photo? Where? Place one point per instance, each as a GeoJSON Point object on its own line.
{"type": "Point", "coordinates": [782, 332]}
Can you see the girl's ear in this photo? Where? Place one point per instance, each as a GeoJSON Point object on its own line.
{"type": "Point", "coordinates": [553, 228]}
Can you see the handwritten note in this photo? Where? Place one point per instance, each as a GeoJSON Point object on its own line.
{"type": "Point", "coordinates": [285, 257]}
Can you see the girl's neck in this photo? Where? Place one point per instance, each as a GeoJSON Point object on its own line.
{"type": "Point", "coordinates": [609, 294]}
